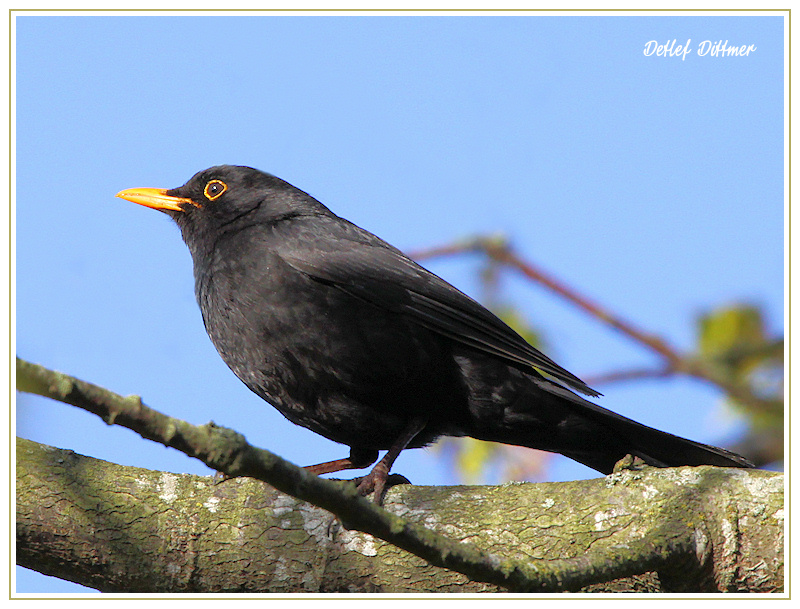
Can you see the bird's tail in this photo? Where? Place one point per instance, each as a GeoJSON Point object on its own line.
{"type": "Point", "coordinates": [654, 447]}
{"type": "Point", "coordinates": [565, 423]}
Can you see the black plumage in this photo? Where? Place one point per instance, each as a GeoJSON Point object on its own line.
{"type": "Point", "coordinates": [345, 335]}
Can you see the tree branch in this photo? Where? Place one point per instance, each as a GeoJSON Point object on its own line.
{"type": "Point", "coordinates": [120, 528]}
{"type": "Point", "coordinates": [628, 375]}
{"type": "Point", "coordinates": [500, 251]}
{"type": "Point", "coordinates": [227, 451]}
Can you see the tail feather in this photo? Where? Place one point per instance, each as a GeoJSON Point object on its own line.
{"type": "Point", "coordinates": [657, 448]}
{"type": "Point", "coordinates": [560, 421]}
{"type": "Point", "coordinates": [618, 436]}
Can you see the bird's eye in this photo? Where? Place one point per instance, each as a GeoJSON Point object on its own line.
{"type": "Point", "coordinates": [214, 189]}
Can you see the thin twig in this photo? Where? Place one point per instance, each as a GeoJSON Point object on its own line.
{"type": "Point", "coordinates": [501, 252]}
{"type": "Point", "coordinates": [498, 250]}
{"type": "Point", "coordinates": [633, 374]}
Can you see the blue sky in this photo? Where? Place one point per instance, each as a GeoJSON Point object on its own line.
{"type": "Point", "coordinates": [654, 185]}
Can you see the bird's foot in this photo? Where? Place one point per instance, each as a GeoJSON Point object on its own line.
{"type": "Point", "coordinates": [220, 477]}
{"type": "Point", "coordinates": [629, 462]}
{"type": "Point", "coordinates": [378, 481]}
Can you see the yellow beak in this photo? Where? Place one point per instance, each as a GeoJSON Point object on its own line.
{"type": "Point", "coordinates": [154, 197]}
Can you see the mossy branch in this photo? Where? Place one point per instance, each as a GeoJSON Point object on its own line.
{"type": "Point", "coordinates": [668, 543]}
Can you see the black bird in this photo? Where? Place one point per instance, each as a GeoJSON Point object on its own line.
{"type": "Point", "coordinates": [347, 336]}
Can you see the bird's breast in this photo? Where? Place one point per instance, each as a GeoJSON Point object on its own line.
{"type": "Point", "coordinates": [327, 360]}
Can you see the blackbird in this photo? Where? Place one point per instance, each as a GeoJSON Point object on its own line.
{"type": "Point", "coordinates": [347, 336]}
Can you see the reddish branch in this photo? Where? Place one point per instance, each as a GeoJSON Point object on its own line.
{"type": "Point", "coordinates": [502, 253]}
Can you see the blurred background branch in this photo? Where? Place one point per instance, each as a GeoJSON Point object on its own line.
{"type": "Point", "coordinates": [734, 351]}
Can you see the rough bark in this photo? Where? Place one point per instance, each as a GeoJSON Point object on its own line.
{"type": "Point", "coordinates": [119, 528]}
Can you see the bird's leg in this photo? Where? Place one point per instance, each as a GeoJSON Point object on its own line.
{"type": "Point", "coordinates": [358, 459]}
{"type": "Point", "coordinates": [376, 479]}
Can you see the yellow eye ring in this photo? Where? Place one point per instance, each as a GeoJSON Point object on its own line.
{"type": "Point", "coordinates": [214, 189]}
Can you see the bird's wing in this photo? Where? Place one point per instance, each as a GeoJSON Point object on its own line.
{"type": "Point", "coordinates": [370, 269]}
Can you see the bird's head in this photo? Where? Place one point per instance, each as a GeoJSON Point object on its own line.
{"type": "Point", "coordinates": [225, 198]}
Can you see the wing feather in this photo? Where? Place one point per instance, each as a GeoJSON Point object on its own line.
{"type": "Point", "coordinates": [372, 270]}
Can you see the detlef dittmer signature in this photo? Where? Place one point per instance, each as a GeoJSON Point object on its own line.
{"type": "Point", "coordinates": [707, 48]}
